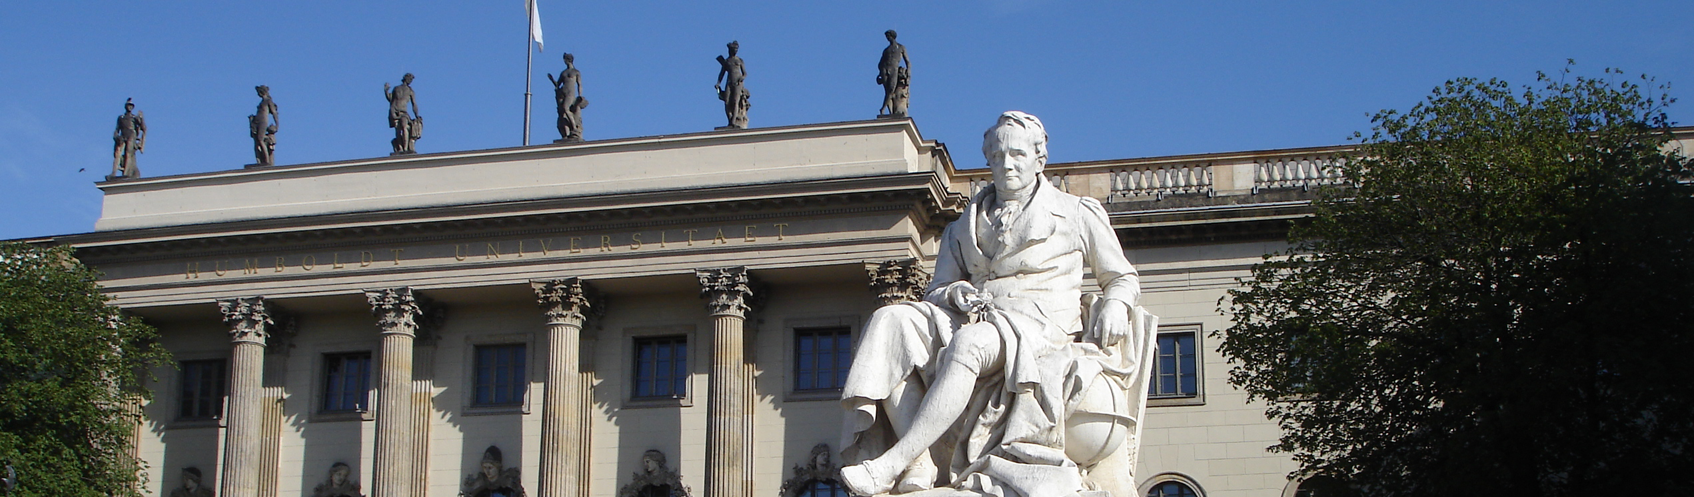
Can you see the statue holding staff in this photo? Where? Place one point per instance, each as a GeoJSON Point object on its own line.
{"type": "Point", "coordinates": [128, 140]}
{"type": "Point", "coordinates": [567, 98]}
{"type": "Point", "coordinates": [407, 128]}
{"type": "Point", "coordinates": [733, 91]}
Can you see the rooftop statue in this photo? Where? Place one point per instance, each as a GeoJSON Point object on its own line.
{"type": "Point", "coordinates": [895, 78]}
{"type": "Point", "coordinates": [262, 126]}
{"type": "Point", "coordinates": [985, 389]}
{"type": "Point", "coordinates": [567, 97]}
{"type": "Point", "coordinates": [128, 140]}
{"type": "Point", "coordinates": [733, 92]}
{"type": "Point", "coordinates": [407, 128]}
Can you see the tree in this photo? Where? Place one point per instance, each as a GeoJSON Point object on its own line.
{"type": "Point", "coordinates": [1500, 303]}
{"type": "Point", "coordinates": [70, 372]}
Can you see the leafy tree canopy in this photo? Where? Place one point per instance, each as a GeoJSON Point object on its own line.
{"type": "Point", "coordinates": [70, 370]}
{"type": "Point", "coordinates": [1501, 303]}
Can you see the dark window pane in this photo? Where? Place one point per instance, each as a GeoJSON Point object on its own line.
{"type": "Point", "coordinates": [500, 374]}
{"type": "Point", "coordinates": [1171, 489]}
{"type": "Point", "coordinates": [661, 367]}
{"type": "Point", "coordinates": [821, 357]}
{"type": "Point", "coordinates": [1176, 372]}
{"type": "Point", "coordinates": [202, 393]}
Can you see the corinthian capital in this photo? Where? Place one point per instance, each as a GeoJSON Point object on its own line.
{"type": "Point", "coordinates": [247, 318]}
{"type": "Point", "coordinates": [729, 291]}
{"type": "Point", "coordinates": [397, 310]}
{"type": "Point", "coordinates": [898, 280]}
{"type": "Point", "coordinates": [568, 300]}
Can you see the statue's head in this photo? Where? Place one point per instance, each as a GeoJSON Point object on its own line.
{"type": "Point", "coordinates": [264, 91]}
{"type": "Point", "coordinates": [491, 463]}
{"type": "Point", "coordinates": [734, 46]}
{"type": "Point", "coordinates": [1016, 149]}
{"type": "Point", "coordinates": [652, 460]}
{"type": "Point", "coordinates": [191, 478]}
{"type": "Point", "coordinates": [129, 105]}
{"type": "Point", "coordinates": [569, 59]}
{"type": "Point", "coordinates": [890, 34]}
{"type": "Point", "coordinates": [407, 79]}
{"type": "Point", "coordinates": [820, 456]}
{"type": "Point", "coordinates": [338, 474]}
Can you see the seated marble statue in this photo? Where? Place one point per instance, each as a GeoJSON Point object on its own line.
{"type": "Point", "coordinates": [967, 391]}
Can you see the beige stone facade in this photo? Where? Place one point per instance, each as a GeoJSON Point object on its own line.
{"type": "Point", "coordinates": [572, 256]}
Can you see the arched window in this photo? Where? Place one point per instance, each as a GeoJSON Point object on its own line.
{"type": "Point", "coordinates": [823, 488]}
{"type": "Point", "coordinates": [1171, 489]}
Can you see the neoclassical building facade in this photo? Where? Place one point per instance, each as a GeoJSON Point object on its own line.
{"type": "Point", "coordinates": [662, 316]}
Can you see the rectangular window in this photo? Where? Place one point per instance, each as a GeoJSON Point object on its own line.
{"type": "Point", "coordinates": [202, 395]}
{"type": "Point", "coordinates": [821, 357]}
{"type": "Point", "coordinates": [347, 381]}
{"type": "Point", "coordinates": [661, 367]}
{"type": "Point", "coordinates": [500, 375]}
{"type": "Point", "coordinates": [1175, 373]}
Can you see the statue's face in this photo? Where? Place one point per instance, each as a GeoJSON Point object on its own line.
{"type": "Point", "coordinates": [652, 465]}
{"type": "Point", "coordinates": [189, 483]}
{"type": "Point", "coordinates": [490, 470]}
{"type": "Point", "coordinates": [821, 461]}
{"type": "Point", "coordinates": [1013, 158]}
{"type": "Point", "coordinates": [338, 477]}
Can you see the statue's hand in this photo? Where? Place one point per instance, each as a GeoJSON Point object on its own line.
{"type": "Point", "coordinates": [1112, 325]}
{"type": "Point", "coordinates": [963, 296]}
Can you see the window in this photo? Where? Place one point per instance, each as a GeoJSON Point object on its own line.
{"type": "Point", "coordinates": [823, 488]}
{"type": "Point", "coordinates": [347, 382]}
{"type": "Point", "coordinates": [661, 367]}
{"type": "Point", "coordinates": [1176, 373]}
{"type": "Point", "coordinates": [1171, 488]}
{"type": "Point", "coordinates": [500, 375]}
{"type": "Point", "coordinates": [821, 357]}
{"type": "Point", "coordinates": [202, 389]}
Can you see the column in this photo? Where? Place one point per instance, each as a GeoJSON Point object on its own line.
{"type": "Point", "coordinates": [728, 292]}
{"type": "Point", "coordinates": [564, 441]}
{"type": "Point", "coordinates": [249, 326]}
{"type": "Point", "coordinates": [397, 311]}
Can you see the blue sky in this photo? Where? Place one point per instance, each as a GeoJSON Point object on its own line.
{"type": "Point", "coordinates": [1110, 79]}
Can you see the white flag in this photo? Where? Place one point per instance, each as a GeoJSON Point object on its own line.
{"type": "Point", "coordinates": [534, 23]}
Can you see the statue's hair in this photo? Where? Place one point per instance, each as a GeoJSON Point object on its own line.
{"type": "Point", "coordinates": [263, 88]}
{"type": "Point", "coordinates": [820, 449]}
{"type": "Point", "coordinates": [1022, 121]}
{"type": "Point", "coordinates": [734, 44]}
{"type": "Point", "coordinates": [340, 465]}
{"type": "Point", "coordinates": [192, 473]}
{"type": "Point", "coordinates": [492, 454]}
{"type": "Point", "coordinates": [128, 102]}
{"type": "Point", "coordinates": [569, 57]}
{"type": "Point", "coordinates": [656, 456]}
{"type": "Point", "coordinates": [408, 76]}
{"type": "Point", "coordinates": [890, 33]}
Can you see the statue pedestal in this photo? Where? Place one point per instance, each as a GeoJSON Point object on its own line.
{"type": "Point", "coordinates": [568, 140]}
{"type": "Point", "coordinates": [727, 127]}
{"type": "Point", "coordinates": [890, 116]}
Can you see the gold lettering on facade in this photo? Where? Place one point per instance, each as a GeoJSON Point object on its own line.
{"type": "Point", "coordinates": [459, 251]}
{"type": "Point", "coordinates": [661, 238]}
{"type": "Point", "coordinates": [635, 241]}
{"type": "Point", "coordinates": [218, 268]}
{"type": "Point", "coordinates": [544, 247]}
{"type": "Point", "coordinates": [308, 262]}
{"type": "Point", "coordinates": [574, 248]}
{"type": "Point", "coordinates": [690, 236]}
{"type": "Point", "coordinates": [605, 243]}
{"type": "Point", "coordinates": [492, 252]}
{"type": "Point", "coordinates": [720, 238]}
{"type": "Point", "coordinates": [279, 264]}
{"type": "Point", "coordinates": [520, 248]}
{"type": "Point", "coordinates": [749, 233]}
{"type": "Point", "coordinates": [779, 227]}
{"type": "Point", "coordinates": [366, 258]}
{"type": "Point", "coordinates": [397, 255]}
{"type": "Point", "coordinates": [335, 261]}
{"type": "Point", "coordinates": [250, 266]}
{"type": "Point", "coordinates": [192, 271]}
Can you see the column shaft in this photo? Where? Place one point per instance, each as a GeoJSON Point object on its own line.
{"type": "Point", "coordinates": [242, 421]}
{"type": "Point", "coordinates": [560, 416]}
{"type": "Point", "coordinates": [726, 422]}
{"type": "Point", "coordinates": [393, 476]}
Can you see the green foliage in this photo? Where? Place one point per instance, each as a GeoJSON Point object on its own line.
{"type": "Point", "coordinates": [1502, 303]}
{"type": "Point", "coordinates": [69, 370]}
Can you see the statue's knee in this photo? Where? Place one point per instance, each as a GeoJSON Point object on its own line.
{"type": "Point", "coordinates": [975, 347]}
{"type": "Point", "coordinates": [893, 314]}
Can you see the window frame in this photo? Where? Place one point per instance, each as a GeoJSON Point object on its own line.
{"type": "Point", "coordinates": [796, 354]}
{"type": "Point", "coordinates": [791, 359]}
{"type": "Point", "coordinates": [626, 365]}
{"type": "Point", "coordinates": [635, 366]}
{"type": "Point", "coordinates": [325, 361]}
{"type": "Point", "coordinates": [469, 407]}
{"type": "Point", "coordinates": [1170, 477]}
{"type": "Point", "coordinates": [1199, 397]}
{"type": "Point", "coordinates": [177, 394]}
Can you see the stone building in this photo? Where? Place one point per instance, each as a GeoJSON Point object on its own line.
{"type": "Point", "coordinates": [660, 316]}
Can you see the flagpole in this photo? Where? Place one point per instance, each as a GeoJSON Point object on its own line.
{"type": "Point", "coordinates": [528, 61]}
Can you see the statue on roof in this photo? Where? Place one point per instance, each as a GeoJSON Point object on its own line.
{"type": "Point", "coordinates": [262, 126]}
{"type": "Point", "coordinates": [567, 97]}
{"type": "Point", "coordinates": [408, 128]}
{"type": "Point", "coordinates": [128, 140]}
{"type": "Point", "coordinates": [732, 90]}
{"type": "Point", "coordinates": [894, 73]}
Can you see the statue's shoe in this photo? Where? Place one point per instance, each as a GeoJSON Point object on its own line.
{"type": "Point", "coordinates": [921, 476]}
{"type": "Point", "coordinates": [864, 479]}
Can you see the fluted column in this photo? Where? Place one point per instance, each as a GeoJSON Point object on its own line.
{"type": "Point", "coordinates": [397, 311]}
{"type": "Point", "coordinates": [567, 303]}
{"type": "Point", "coordinates": [249, 326]}
{"type": "Point", "coordinates": [728, 292]}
